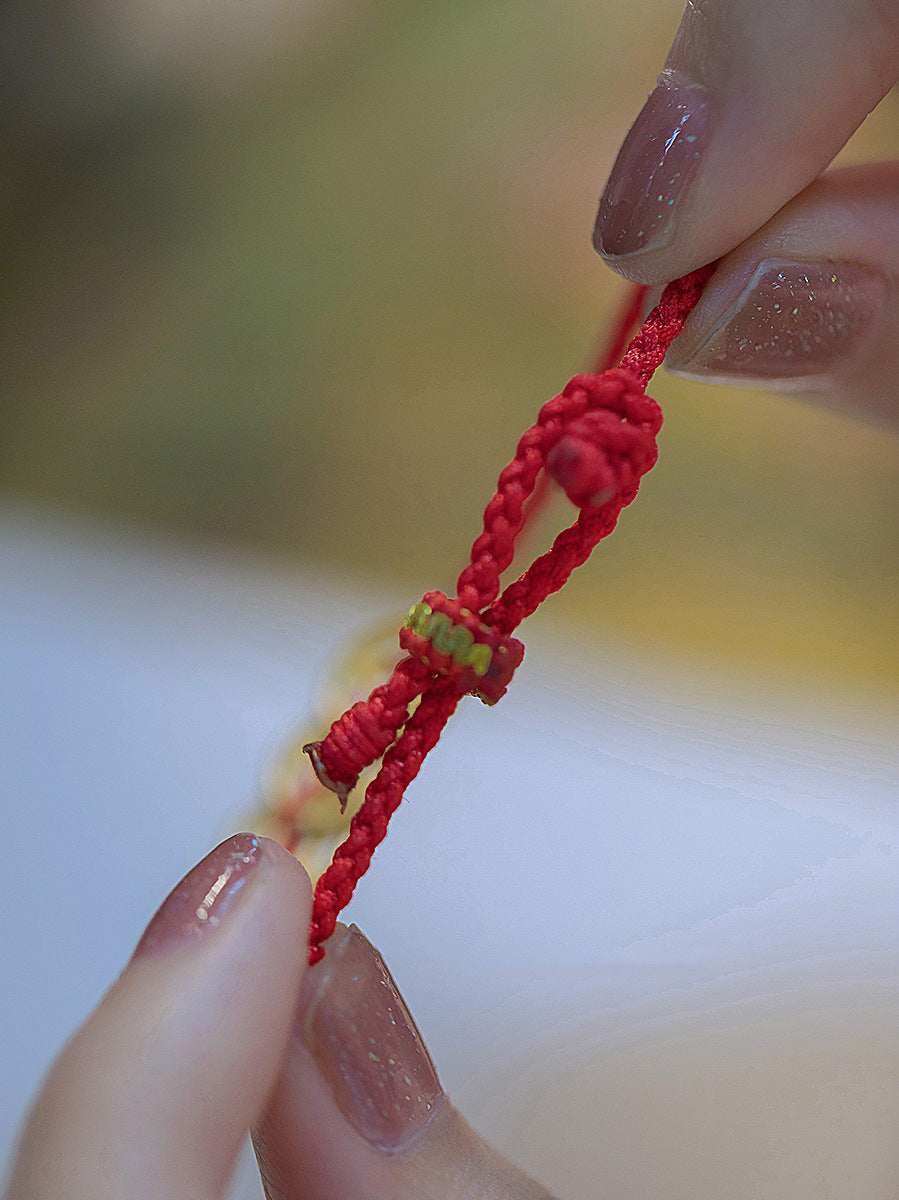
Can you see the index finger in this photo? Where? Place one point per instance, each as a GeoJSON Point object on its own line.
{"type": "Point", "coordinates": [755, 100]}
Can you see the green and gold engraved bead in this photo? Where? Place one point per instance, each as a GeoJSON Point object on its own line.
{"type": "Point", "coordinates": [418, 615]}
{"type": "Point", "coordinates": [478, 658]}
{"type": "Point", "coordinates": [446, 637]}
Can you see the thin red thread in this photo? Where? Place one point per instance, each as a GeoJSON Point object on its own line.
{"type": "Point", "coordinates": [626, 321]}
{"type": "Point", "coordinates": [596, 440]}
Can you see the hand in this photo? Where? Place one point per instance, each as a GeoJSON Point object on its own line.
{"type": "Point", "coordinates": [216, 1027]}
{"type": "Point", "coordinates": [755, 100]}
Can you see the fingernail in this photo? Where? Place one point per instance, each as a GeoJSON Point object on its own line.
{"type": "Point", "coordinates": [367, 1048]}
{"type": "Point", "coordinates": [792, 321]}
{"type": "Point", "coordinates": [204, 897]}
{"type": "Point", "coordinates": [654, 168]}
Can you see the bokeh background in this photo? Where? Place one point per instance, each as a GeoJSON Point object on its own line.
{"type": "Point", "coordinates": [292, 277]}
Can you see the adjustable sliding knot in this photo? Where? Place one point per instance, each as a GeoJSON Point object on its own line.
{"type": "Point", "coordinates": [453, 641]}
{"type": "Point", "coordinates": [605, 448]}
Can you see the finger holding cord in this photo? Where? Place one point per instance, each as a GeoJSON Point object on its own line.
{"type": "Point", "coordinates": [217, 1026]}
{"type": "Point", "coordinates": [810, 303]}
{"type": "Point", "coordinates": [755, 100]}
{"type": "Point", "coordinates": [153, 1096]}
{"type": "Point", "coordinates": [359, 1109]}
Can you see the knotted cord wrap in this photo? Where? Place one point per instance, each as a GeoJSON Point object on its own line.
{"type": "Point", "coordinates": [595, 440]}
{"type": "Point", "coordinates": [360, 737]}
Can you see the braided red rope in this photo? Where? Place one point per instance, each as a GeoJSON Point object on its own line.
{"type": "Point", "coordinates": [596, 440]}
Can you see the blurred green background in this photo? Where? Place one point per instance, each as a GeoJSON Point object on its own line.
{"type": "Point", "coordinates": [294, 278]}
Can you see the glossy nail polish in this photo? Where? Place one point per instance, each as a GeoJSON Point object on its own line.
{"type": "Point", "coordinates": [204, 897]}
{"type": "Point", "coordinates": [654, 168]}
{"type": "Point", "coordinates": [792, 322]}
{"type": "Point", "coordinates": [366, 1045]}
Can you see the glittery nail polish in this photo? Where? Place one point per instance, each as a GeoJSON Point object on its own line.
{"type": "Point", "coordinates": [366, 1045]}
{"type": "Point", "coordinates": [204, 897]}
{"type": "Point", "coordinates": [792, 322]}
{"type": "Point", "coordinates": [654, 168]}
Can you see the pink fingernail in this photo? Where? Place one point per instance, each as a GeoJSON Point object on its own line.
{"type": "Point", "coordinates": [367, 1046]}
{"type": "Point", "coordinates": [204, 897]}
{"type": "Point", "coordinates": [654, 168]}
{"type": "Point", "coordinates": [792, 321]}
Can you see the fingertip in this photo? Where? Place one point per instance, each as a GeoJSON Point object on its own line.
{"type": "Point", "coordinates": [290, 867]}
{"type": "Point", "coordinates": [642, 204]}
{"type": "Point", "coordinates": [738, 125]}
{"type": "Point", "coordinates": [358, 1109]}
{"type": "Point", "coordinates": [163, 1081]}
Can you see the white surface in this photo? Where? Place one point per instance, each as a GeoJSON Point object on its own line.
{"type": "Point", "coordinates": [635, 917]}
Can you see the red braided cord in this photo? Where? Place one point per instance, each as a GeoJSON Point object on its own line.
{"type": "Point", "coordinates": [626, 321]}
{"type": "Point", "coordinates": [664, 323]}
{"type": "Point", "coordinates": [614, 392]}
{"type": "Point", "coordinates": [401, 764]}
{"type": "Point", "coordinates": [596, 440]}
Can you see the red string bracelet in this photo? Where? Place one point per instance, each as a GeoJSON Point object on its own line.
{"type": "Point", "coordinates": [596, 440]}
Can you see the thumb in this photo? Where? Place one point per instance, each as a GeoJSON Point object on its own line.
{"type": "Point", "coordinates": [756, 99]}
{"type": "Point", "coordinates": [359, 1111]}
{"type": "Point", "coordinates": [154, 1095]}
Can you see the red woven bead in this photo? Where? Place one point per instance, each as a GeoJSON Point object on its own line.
{"type": "Point", "coordinates": [454, 642]}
